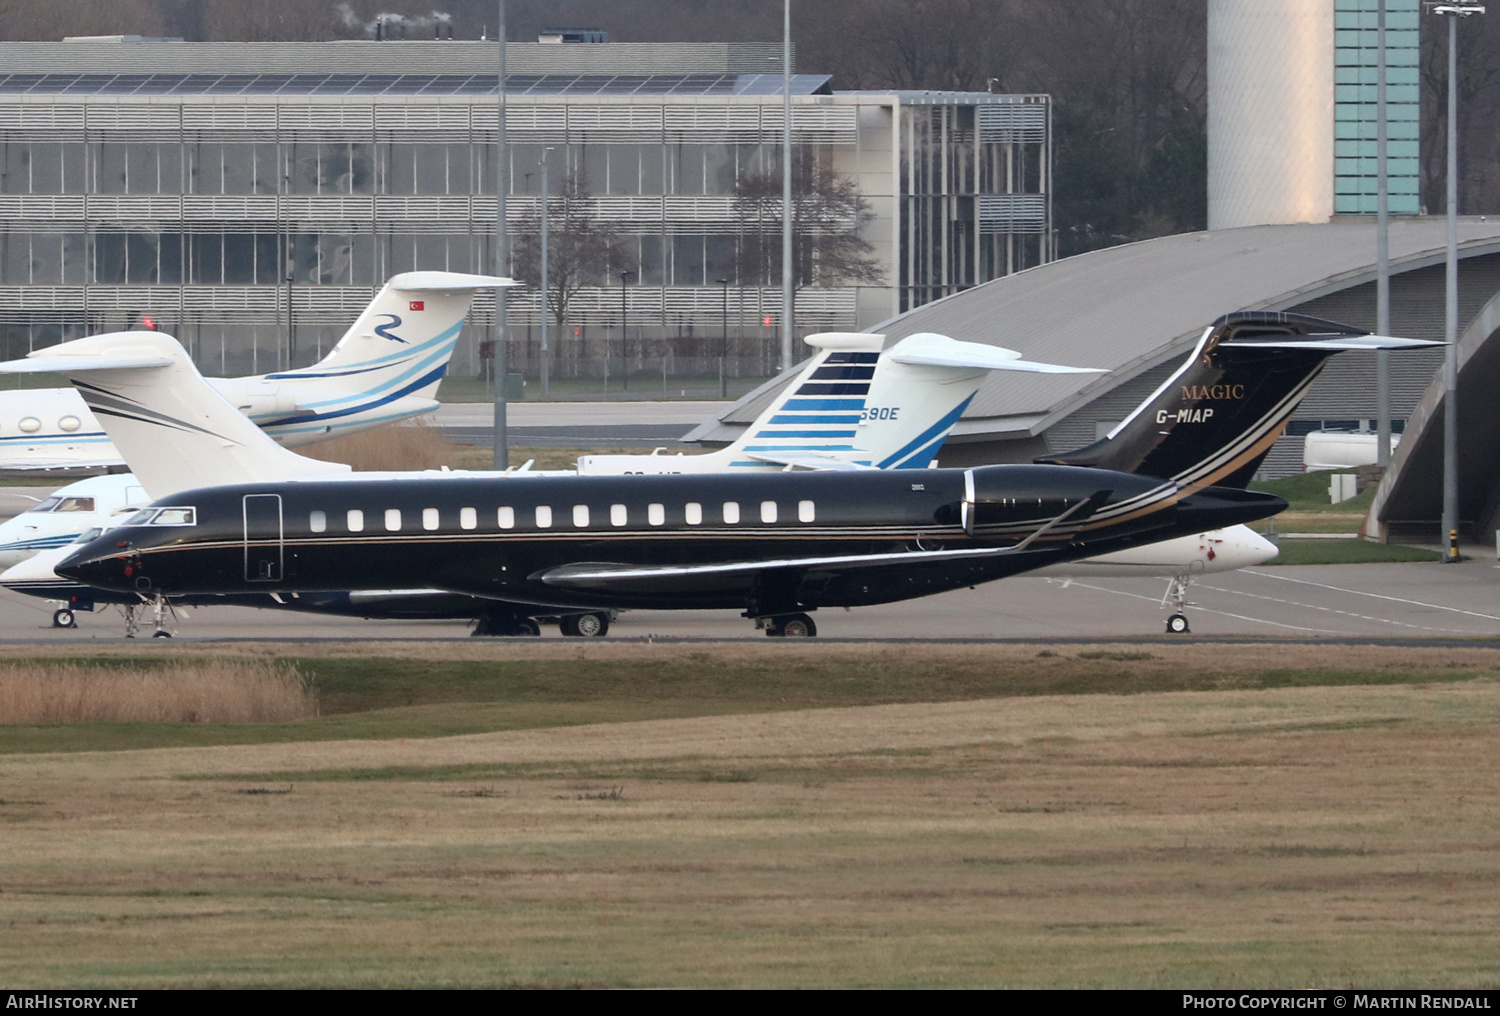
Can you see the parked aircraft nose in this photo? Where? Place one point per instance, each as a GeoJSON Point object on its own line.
{"type": "Point", "coordinates": [1241, 547]}
{"type": "Point", "coordinates": [104, 567]}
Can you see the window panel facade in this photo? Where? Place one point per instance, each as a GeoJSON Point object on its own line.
{"type": "Point", "coordinates": [308, 201]}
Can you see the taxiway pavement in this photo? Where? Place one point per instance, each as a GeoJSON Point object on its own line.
{"type": "Point", "coordinates": [1404, 601]}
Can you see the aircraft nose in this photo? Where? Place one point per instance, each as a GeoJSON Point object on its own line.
{"type": "Point", "coordinates": [111, 571]}
{"type": "Point", "coordinates": [1243, 547]}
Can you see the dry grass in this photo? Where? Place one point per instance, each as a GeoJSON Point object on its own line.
{"type": "Point", "coordinates": [1310, 837]}
{"type": "Point", "coordinates": [201, 691]}
{"type": "Point", "coordinates": [409, 445]}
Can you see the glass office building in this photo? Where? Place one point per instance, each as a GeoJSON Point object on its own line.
{"type": "Point", "coordinates": [248, 197]}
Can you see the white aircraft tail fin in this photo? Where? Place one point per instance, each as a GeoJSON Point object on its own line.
{"type": "Point", "coordinates": [174, 430]}
{"type": "Point", "coordinates": [890, 410]}
{"type": "Point", "coordinates": [386, 367]}
{"type": "Point", "coordinates": [404, 338]}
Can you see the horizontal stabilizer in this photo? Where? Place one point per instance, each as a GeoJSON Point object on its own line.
{"type": "Point", "coordinates": [928, 349]}
{"type": "Point", "coordinates": [1340, 344]}
{"type": "Point", "coordinates": [437, 282]}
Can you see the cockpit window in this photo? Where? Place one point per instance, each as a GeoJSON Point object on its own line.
{"type": "Point", "coordinates": [88, 534]}
{"type": "Point", "coordinates": [175, 517]}
{"type": "Point", "coordinates": [46, 504]}
{"type": "Point", "coordinates": [76, 504]}
{"type": "Point", "coordinates": [164, 517]}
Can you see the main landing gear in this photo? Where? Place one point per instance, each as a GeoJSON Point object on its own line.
{"type": "Point", "coordinates": [1177, 623]}
{"type": "Point", "coordinates": [587, 626]}
{"type": "Point", "coordinates": [789, 626]}
{"type": "Point", "coordinates": [592, 624]}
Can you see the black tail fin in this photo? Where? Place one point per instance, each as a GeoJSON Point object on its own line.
{"type": "Point", "coordinates": [1214, 420]}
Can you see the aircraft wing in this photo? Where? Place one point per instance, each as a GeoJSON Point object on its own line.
{"type": "Point", "coordinates": [31, 464]}
{"type": "Point", "coordinates": [606, 576]}
{"type": "Point", "coordinates": [824, 462]}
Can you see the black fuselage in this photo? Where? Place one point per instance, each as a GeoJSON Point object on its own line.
{"type": "Point", "coordinates": [759, 543]}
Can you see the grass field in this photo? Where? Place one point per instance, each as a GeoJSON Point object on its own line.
{"type": "Point", "coordinates": [725, 815]}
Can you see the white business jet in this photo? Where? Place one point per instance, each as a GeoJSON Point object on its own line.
{"type": "Point", "coordinates": [385, 368]}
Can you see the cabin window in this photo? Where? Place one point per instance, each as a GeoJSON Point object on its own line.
{"type": "Point", "coordinates": [68, 423]}
{"type": "Point", "coordinates": [356, 520]}
{"type": "Point", "coordinates": [617, 515]}
{"type": "Point", "coordinates": [30, 425]}
{"type": "Point", "coordinates": [581, 515]}
{"type": "Point", "coordinates": [507, 518]}
{"type": "Point", "coordinates": [693, 513]}
{"type": "Point", "coordinates": [806, 511]}
{"type": "Point", "coordinates": [768, 511]}
{"type": "Point", "coordinates": [317, 521]}
{"type": "Point", "coordinates": [393, 520]}
{"type": "Point", "coordinates": [656, 514]}
{"type": "Point", "coordinates": [429, 518]}
{"type": "Point", "coordinates": [544, 516]}
{"type": "Point", "coordinates": [731, 513]}
{"type": "Point", "coordinates": [468, 518]}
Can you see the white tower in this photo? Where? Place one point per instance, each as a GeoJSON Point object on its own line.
{"type": "Point", "coordinates": [1270, 112]}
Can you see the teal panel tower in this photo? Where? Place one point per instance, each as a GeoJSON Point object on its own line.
{"type": "Point", "coordinates": [1355, 122]}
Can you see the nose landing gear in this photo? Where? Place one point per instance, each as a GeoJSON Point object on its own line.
{"type": "Point", "coordinates": [159, 609]}
{"type": "Point", "coordinates": [64, 618]}
{"type": "Point", "coordinates": [1177, 587]}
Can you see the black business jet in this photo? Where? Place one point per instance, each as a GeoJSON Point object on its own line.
{"type": "Point", "coordinates": [774, 546]}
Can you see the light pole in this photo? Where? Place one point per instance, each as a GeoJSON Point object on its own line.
{"type": "Point", "coordinates": [624, 337]}
{"type": "Point", "coordinates": [502, 250]}
{"type": "Point", "coordinates": [1382, 254]}
{"type": "Point", "coordinates": [545, 354]}
{"type": "Point", "coordinates": [787, 307]}
{"type": "Point", "coordinates": [723, 339]}
{"type": "Point", "coordinates": [1452, 11]}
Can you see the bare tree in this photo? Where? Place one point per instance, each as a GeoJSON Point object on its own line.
{"type": "Point", "coordinates": [1478, 114]}
{"type": "Point", "coordinates": [581, 250]}
{"type": "Point", "coordinates": [828, 220]}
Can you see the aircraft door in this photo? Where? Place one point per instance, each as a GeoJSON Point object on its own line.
{"type": "Point", "coordinates": [263, 538]}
